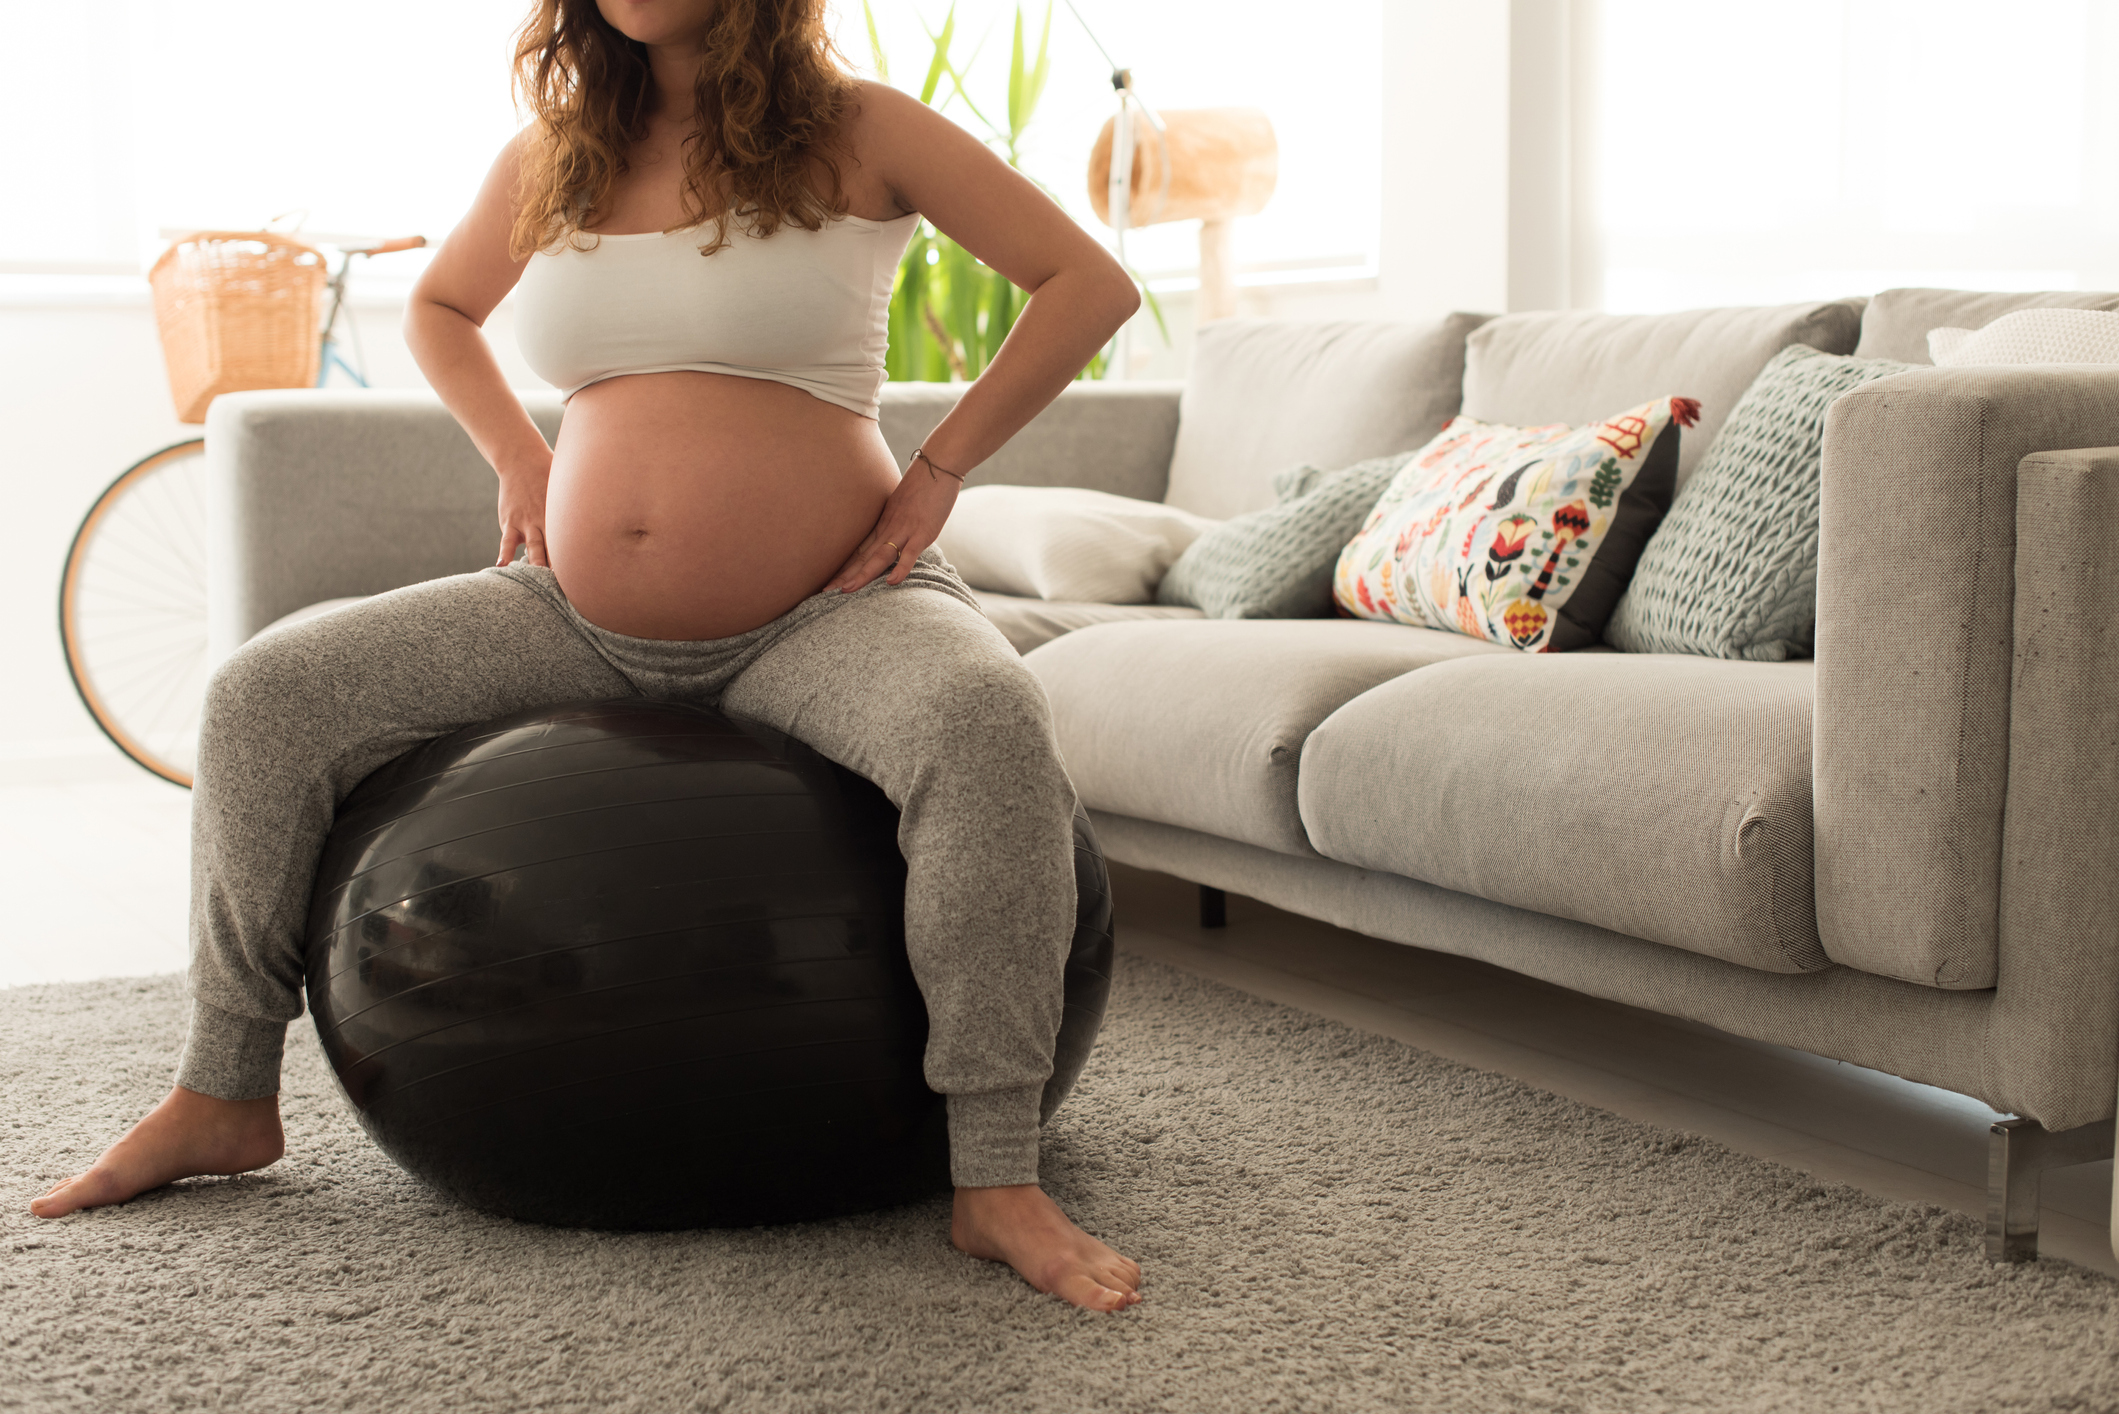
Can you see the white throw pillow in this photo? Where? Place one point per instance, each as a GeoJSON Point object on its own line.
{"type": "Point", "coordinates": [2032, 336]}
{"type": "Point", "coordinates": [1062, 542]}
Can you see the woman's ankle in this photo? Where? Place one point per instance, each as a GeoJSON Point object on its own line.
{"type": "Point", "coordinates": [993, 1137]}
{"type": "Point", "coordinates": [230, 1056]}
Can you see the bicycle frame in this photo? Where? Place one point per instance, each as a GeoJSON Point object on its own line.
{"type": "Point", "coordinates": [329, 356]}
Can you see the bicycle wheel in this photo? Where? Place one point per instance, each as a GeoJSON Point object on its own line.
{"type": "Point", "coordinates": [132, 610]}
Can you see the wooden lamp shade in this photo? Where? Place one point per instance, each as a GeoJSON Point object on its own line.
{"type": "Point", "coordinates": [1217, 162]}
{"type": "Point", "coordinates": [1210, 165]}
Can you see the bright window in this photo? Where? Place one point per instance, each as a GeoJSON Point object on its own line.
{"type": "Point", "coordinates": [1318, 75]}
{"type": "Point", "coordinates": [378, 118]}
{"type": "Point", "coordinates": [381, 118]}
{"type": "Point", "coordinates": [1771, 150]}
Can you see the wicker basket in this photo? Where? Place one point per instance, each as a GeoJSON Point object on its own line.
{"type": "Point", "coordinates": [237, 309]}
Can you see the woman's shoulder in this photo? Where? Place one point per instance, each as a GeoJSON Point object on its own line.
{"type": "Point", "coordinates": [505, 174]}
{"type": "Point", "coordinates": [880, 93]}
{"type": "Point", "coordinates": [882, 117]}
{"type": "Point", "coordinates": [884, 132]}
{"type": "Point", "coordinates": [498, 193]}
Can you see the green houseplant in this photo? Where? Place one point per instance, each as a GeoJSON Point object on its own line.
{"type": "Point", "coordinates": [949, 311]}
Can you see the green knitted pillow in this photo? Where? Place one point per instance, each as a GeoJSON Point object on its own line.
{"type": "Point", "coordinates": [1277, 563]}
{"type": "Point", "coordinates": [1732, 570]}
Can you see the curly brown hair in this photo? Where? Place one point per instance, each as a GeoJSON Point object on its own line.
{"type": "Point", "coordinates": [772, 96]}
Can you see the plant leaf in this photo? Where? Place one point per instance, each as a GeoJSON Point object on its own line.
{"type": "Point", "coordinates": [875, 42]}
{"type": "Point", "coordinates": [956, 79]}
{"type": "Point", "coordinates": [949, 313]}
{"type": "Point", "coordinates": [1155, 306]}
{"type": "Point", "coordinates": [1016, 81]}
{"type": "Point", "coordinates": [1041, 70]}
{"type": "Point", "coordinates": [940, 63]}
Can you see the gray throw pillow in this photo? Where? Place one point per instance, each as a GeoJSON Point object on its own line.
{"type": "Point", "coordinates": [1732, 571]}
{"type": "Point", "coordinates": [1277, 563]}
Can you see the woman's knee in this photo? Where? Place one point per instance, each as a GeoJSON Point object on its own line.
{"type": "Point", "coordinates": [267, 677]}
{"type": "Point", "coordinates": [984, 739]}
{"type": "Point", "coordinates": [997, 698]}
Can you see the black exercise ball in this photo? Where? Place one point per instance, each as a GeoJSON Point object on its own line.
{"type": "Point", "coordinates": [633, 964]}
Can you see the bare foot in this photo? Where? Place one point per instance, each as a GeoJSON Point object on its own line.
{"type": "Point", "coordinates": [186, 1135]}
{"type": "Point", "coordinates": [1019, 1225]}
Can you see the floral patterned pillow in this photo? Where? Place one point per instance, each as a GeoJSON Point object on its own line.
{"type": "Point", "coordinates": [1518, 535]}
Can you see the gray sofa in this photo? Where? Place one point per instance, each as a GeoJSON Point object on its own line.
{"type": "Point", "coordinates": [1899, 855]}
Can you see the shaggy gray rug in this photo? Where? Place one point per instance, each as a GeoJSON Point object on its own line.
{"type": "Point", "coordinates": [1328, 1221]}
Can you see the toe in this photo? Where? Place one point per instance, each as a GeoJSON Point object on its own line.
{"type": "Point", "coordinates": [1119, 1273]}
{"type": "Point", "coordinates": [1092, 1295]}
{"type": "Point", "coordinates": [93, 1189]}
{"type": "Point", "coordinates": [1103, 1298]}
{"type": "Point", "coordinates": [57, 1203]}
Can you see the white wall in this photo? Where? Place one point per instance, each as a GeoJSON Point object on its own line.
{"type": "Point", "coordinates": [83, 396]}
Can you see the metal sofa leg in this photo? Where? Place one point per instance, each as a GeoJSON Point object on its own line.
{"type": "Point", "coordinates": [2019, 1152]}
{"type": "Point", "coordinates": [1213, 907]}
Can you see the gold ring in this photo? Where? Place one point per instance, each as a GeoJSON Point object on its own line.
{"type": "Point", "coordinates": [893, 544]}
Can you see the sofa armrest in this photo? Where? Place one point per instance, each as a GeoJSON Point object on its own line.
{"type": "Point", "coordinates": [1114, 437]}
{"type": "Point", "coordinates": [322, 495]}
{"type": "Point", "coordinates": [2055, 1035]}
{"type": "Point", "coordinates": [1917, 577]}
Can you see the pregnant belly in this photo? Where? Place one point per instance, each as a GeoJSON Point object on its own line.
{"type": "Point", "coordinates": [700, 505]}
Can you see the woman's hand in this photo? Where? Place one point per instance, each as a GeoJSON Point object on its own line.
{"type": "Point", "coordinates": [522, 511]}
{"type": "Point", "coordinates": [911, 519]}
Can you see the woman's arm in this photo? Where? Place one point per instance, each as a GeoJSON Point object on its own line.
{"type": "Point", "coordinates": [1079, 296]}
{"type": "Point", "coordinates": [469, 275]}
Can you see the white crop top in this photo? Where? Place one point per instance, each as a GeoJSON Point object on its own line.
{"type": "Point", "coordinates": [807, 308]}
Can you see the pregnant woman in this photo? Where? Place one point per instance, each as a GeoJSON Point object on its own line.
{"type": "Point", "coordinates": [700, 227]}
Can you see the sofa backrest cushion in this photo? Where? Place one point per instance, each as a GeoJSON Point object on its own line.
{"type": "Point", "coordinates": [1265, 395]}
{"type": "Point", "coordinates": [334, 493]}
{"type": "Point", "coordinates": [1112, 437]}
{"type": "Point", "coordinates": [1576, 366]}
{"type": "Point", "coordinates": [1897, 322]}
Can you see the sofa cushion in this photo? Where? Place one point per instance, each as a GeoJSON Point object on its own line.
{"type": "Point", "coordinates": [2031, 336]}
{"type": "Point", "coordinates": [1026, 623]}
{"type": "Point", "coordinates": [1201, 724]}
{"type": "Point", "coordinates": [1065, 542]}
{"type": "Point", "coordinates": [1517, 535]}
{"type": "Point", "coordinates": [1732, 573]}
{"type": "Point", "coordinates": [1574, 366]}
{"type": "Point", "coordinates": [1265, 394]}
{"type": "Point", "coordinates": [1665, 797]}
{"type": "Point", "coordinates": [1277, 563]}
{"type": "Point", "coordinates": [1897, 322]}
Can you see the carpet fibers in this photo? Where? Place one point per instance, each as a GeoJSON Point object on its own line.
{"type": "Point", "coordinates": [1328, 1220]}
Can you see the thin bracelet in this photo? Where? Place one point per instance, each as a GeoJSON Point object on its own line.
{"type": "Point", "coordinates": [919, 454]}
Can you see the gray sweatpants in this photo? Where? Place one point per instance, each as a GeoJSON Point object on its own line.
{"type": "Point", "coordinates": [909, 686]}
